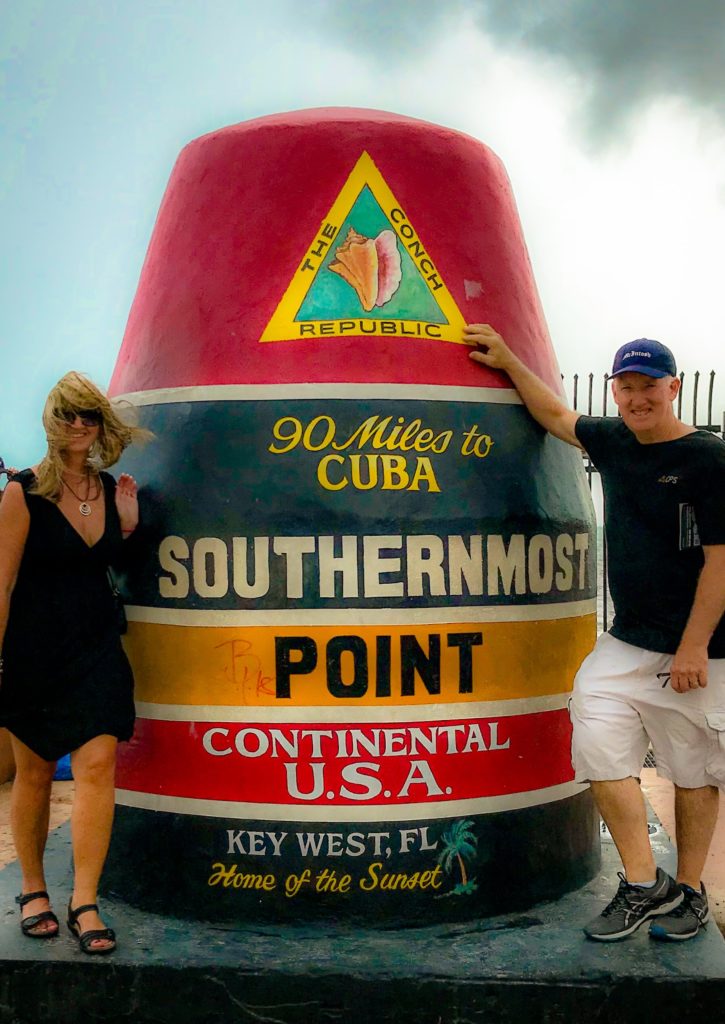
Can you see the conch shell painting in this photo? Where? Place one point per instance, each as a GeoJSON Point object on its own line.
{"type": "Point", "coordinates": [370, 265]}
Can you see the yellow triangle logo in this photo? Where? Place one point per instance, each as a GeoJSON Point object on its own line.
{"type": "Point", "coordinates": [366, 272]}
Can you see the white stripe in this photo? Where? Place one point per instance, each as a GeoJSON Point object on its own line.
{"type": "Point", "coordinates": [275, 392]}
{"type": "Point", "coordinates": [356, 714]}
{"type": "Point", "coordinates": [360, 616]}
{"type": "Point", "coordinates": [318, 812]}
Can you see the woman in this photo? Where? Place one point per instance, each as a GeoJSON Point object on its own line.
{"type": "Point", "coordinates": [7, 764]}
{"type": "Point", "coordinates": [66, 684]}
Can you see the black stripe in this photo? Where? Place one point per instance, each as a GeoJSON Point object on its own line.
{"type": "Point", "coordinates": [210, 473]}
{"type": "Point", "coordinates": [163, 862]}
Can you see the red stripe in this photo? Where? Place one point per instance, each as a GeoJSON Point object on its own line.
{"type": "Point", "coordinates": [169, 758]}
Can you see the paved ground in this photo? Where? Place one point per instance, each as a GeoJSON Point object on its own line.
{"type": "Point", "coordinates": [658, 792]}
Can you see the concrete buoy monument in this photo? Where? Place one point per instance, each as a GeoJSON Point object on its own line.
{"type": "Point", "coordinates": [368, 576]}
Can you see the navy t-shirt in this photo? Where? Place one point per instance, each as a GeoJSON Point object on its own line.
{"type": "Point", "coordinates": [662, 502]}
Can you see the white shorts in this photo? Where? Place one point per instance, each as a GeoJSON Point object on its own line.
{"type": "Point", "coordinates": [623, 701]}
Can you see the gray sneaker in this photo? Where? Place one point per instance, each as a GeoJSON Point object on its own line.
{"type": "Point", "coordinates": [632, 906]}
{"type": "Point", "coordinates": [686, 920]}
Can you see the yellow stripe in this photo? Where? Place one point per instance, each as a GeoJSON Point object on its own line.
{"type": "Point", "coordinates": [235, 666]}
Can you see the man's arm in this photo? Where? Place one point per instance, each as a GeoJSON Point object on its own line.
{"type": "Point", "coordinates": [546, 407]}
{"type": "Point", "coordinates": [689, 665]}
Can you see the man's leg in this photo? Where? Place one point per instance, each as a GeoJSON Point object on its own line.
{"type": "Point", "coordinates": [694, 755]}
{"type": "Point", "coordinates": [609, 741]}
{"type": "Point", "coordinates": [621, 805]}
{"type": "Point", "coordinates": [695, 819]}
{"type": "Point", "coordinates": [645, 892]}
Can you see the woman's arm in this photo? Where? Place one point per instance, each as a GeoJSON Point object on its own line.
{"type": "Point", "coordinates": [14, 526]}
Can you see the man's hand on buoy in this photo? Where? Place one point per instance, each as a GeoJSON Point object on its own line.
{"type": "Point", "coordinates": [491, 349]}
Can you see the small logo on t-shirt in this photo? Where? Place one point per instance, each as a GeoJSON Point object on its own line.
{"type": "Point", "coordinates": [689, 534]}
{"type": "Point", "coordinates": [668, 479]}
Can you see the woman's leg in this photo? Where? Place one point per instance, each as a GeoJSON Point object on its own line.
{"type": "Point", "coordinates": [29, 816]}
{"type": "Point", "coordinates": [94, 767]}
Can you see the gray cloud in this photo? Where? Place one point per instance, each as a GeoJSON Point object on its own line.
{"type": "Point", "coordinates": [627, 52]}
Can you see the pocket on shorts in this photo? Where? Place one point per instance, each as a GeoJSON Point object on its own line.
{"type": "Point", "coordinates": [716, 763]}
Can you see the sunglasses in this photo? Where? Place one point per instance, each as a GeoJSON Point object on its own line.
{"type": "Point", "coordinates": [88, 417]}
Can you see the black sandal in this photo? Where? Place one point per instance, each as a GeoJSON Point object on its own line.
{"type": "Point", "coordinates": [27, 924]}
{"type": "Point", "coordinates": [86, 938]}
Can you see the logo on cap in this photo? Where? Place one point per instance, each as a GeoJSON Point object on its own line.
{"type": "Point", "coordinates": [644, 356]}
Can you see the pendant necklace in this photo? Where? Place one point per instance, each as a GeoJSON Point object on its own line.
{"type": "Point", "coordinates": [84, 508]}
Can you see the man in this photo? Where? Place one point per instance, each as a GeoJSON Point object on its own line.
{"type": "Point", "coordinates": [658, 675]}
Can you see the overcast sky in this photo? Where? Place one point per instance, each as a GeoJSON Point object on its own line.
{"type": "Point", "coordinates": [609, 118]}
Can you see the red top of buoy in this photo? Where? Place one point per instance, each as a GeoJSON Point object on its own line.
{"type": "Point", "coordinates": [332, 245]}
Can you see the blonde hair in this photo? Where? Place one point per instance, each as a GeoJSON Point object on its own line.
{"type": "Point", "coordinates": [75, 394]}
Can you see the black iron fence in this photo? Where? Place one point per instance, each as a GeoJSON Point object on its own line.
{"type": "Point", "coordinates": [591, 394]}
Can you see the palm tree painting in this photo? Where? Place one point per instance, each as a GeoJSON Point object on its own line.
{"type": "Point", "coordinates": [459, 846]}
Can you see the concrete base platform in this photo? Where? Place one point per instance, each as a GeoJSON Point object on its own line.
{"type": "Point", "coordinates": [531, 966]}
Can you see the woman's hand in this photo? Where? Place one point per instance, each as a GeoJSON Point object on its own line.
{"type": "Point", "coordinates": [127, 503]}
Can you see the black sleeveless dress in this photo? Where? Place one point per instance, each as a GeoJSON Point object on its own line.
{"type": "Point", "coordinates": [66, 678]}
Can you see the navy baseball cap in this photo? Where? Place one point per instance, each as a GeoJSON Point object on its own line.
{"type": "Point", "coordinates": [644, 356]}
